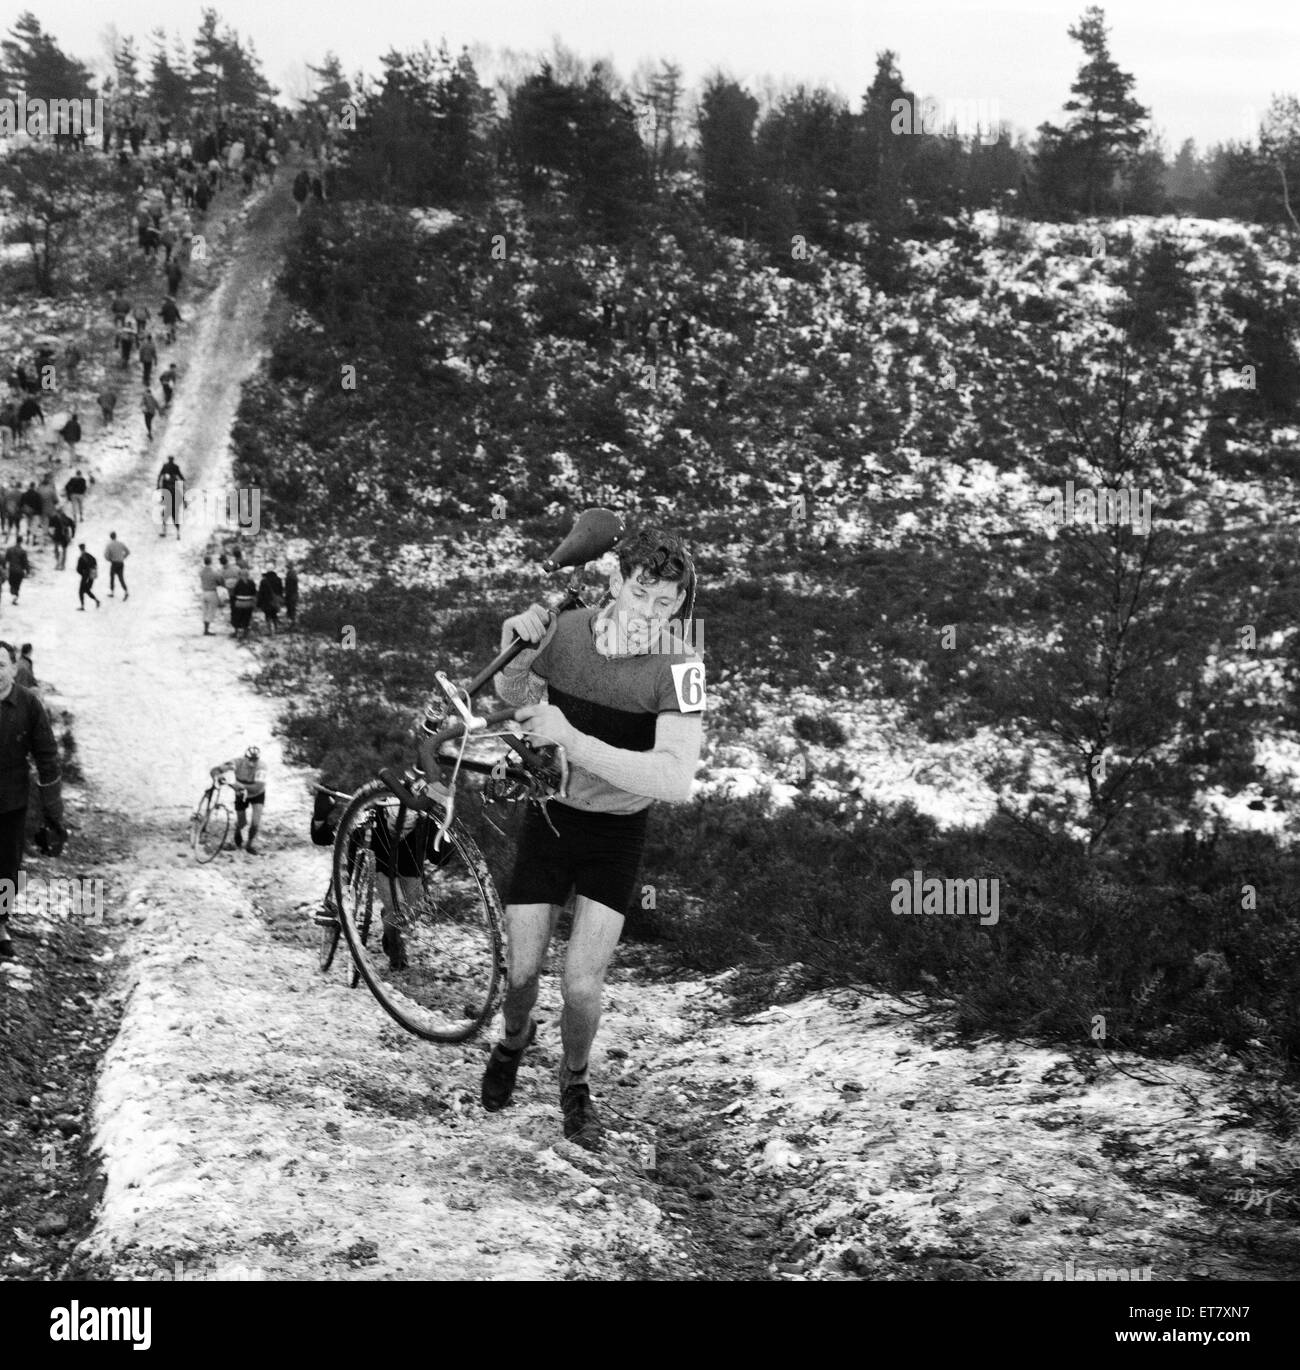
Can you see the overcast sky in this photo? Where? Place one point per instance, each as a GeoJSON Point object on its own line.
{"type": "Point", "coordinates": [1205, 69]}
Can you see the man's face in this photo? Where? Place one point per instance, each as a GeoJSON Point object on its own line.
{"type": "Point", "coordinates": [641, 610]}
{"type": "Point", "coordinates": [8, 670]}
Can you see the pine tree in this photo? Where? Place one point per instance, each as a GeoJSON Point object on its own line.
{"type": "Point", "coordinates": [423, 135]}
{"type": "Point", "coordinates": [49, 200]}
{"type": "Point", "coordinates": [657, 92]}
{"type": "Point", "coordinates": [1187, 181]}
{"type": "Point", "coordinates": [333, 90]}
{"type": "Point", "coordinates": [126, 68]}
{"type": "Point", "coordinates": [803, 150]}
{"type": "Point", "coordinates": [884, 153]}
{"type": "Point", "coordinates": [169, 88]}
{"type": "Point", "coordinates": [32, 63]}
{"type": "Point", "coordinates": [727, 156]}
{"type": "Point", "coordinates": [209, 60]}
{"type": "Point", "coordinates": [1079, 163]}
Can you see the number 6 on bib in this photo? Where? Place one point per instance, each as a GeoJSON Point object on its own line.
{"type": "Point", "coordinates": [688, 682]}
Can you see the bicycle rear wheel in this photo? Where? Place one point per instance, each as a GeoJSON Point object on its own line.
{"type": "Point", "coordinates": [443, 904]}
{"type": "Point", "coordinates": [211, 826]}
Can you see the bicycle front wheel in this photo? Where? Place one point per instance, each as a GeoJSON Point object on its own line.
{"type": "Point", "coordinates": [198, 819]}
{"type": "Point", "coordinates": [211, 827]}
{"type": "Point", "coordinates": [424, 924]}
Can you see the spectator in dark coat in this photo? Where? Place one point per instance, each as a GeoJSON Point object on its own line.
{"type": "Point", "coordinates": [87, 569]}
{"type": "Point", "coordinates": [270, 599]}
{"type": "Point", "coordinates": [29, 506]}
{"type": "Point", "coordinates": [75, 493]}
{"type": "Point", "coordinates": [170, 316]}
{"type": "Point", "coordinates": [243, 600]}
{"type": "Point", "coordinates": [71, 433]}
{"type": "Point", "coordinates": [17, 565]}
{"type": "Point", "coordinates": [148, 358]}
{"type": "Point", "coordinates": [24, 732]}
{"type": "Point", "coordinates": [148, 407]}
{"type": "Point", "coordinates": [126, 338]}
{"type": "Point", "coordinates": [62, 530]}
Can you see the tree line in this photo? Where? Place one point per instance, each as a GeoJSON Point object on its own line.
{"type": "Point", "coordinates": [428, 130]}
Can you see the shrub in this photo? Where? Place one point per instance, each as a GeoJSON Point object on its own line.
{"type": "Point", "coordinates": [822, 731]}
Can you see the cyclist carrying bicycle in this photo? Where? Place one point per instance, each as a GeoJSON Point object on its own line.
{"type": "Point", "coordinates": [250, 792]}
{"type": "Point", "coordinates": [621, 691]}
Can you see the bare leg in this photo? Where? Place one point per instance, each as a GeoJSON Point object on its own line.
{"type": "Point", "coordinates": [529, 928]}
{"type": "Point", "coordinates": [596, 930]}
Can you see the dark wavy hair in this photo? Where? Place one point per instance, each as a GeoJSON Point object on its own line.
{"type": "Point", "coordinates": [659, 556]}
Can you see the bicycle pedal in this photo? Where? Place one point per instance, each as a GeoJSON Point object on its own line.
{"type": "Point", "coordinates": [324, 920]}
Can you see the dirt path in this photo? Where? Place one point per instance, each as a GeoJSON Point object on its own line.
{"type": "Point", "coordinates": [255, 1117]}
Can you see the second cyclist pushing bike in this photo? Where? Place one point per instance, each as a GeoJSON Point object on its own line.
{"type": "Point", "coordinates": [250, 792]}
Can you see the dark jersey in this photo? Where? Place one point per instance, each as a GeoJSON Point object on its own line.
{"type": "Point", "coordinates": [616, 699]}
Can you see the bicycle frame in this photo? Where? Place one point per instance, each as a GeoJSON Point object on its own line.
{"type": "Point", "coordinates": [537, 773]}
{"type": "Point", "coordinates": [213, 792]}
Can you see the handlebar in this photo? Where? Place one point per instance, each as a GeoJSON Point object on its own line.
{"type": "Point", "coordinates": [468, 723]}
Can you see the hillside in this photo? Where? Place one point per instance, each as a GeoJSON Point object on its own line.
{"type": "Point", "coordinates": [779, 1044]}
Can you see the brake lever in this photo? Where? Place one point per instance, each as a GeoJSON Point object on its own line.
{"type": "Point", "coordinates": [472, 722]}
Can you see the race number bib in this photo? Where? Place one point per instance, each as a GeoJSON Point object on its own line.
{"type": "Point", "coordinates": [688, 682]}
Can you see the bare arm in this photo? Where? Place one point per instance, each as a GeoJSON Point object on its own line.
{"type": "Point", "coordinates": [666, 772]}
{"type": "Point", "coordinates": [517, 684]}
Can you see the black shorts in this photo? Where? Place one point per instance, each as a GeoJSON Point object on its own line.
{"type": "Point", "coordinates": [597, 855]}
{"type": "Point", "coordinates": [243, 801]}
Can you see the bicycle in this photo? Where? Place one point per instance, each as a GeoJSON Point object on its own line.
{"type": "Point", "coordinates": [210, 821]}
{"type": "Point", "coordinates": [400, 844]}
{"type": "Point", "coordinates": [328, 928]}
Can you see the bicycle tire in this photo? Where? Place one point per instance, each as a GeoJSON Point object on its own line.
{"type": "Point", "coordinates": [449, 915]}
{"type": "Point", "coordinates": [198, 820]}
{"type": "Point", "coordinates": [327, 943]}
{"type": "Point", "coordinates": [329, 937]}
{"type": "Point", "coordinates": [211, 835]}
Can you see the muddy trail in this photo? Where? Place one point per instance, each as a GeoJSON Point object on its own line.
{"type": "Point", "coordinates": [254, 1118]}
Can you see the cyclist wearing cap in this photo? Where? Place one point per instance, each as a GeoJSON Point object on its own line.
{"type": "Point", "coordinates": [250, 792]}
{"type": "Point", "coordinates": [624, 694]}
